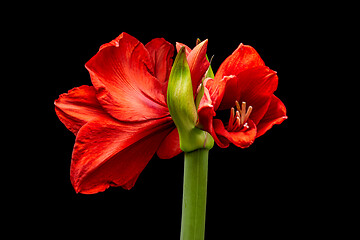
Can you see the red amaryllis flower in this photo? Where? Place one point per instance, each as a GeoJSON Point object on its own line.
{"type": "Point", "coordinates": [243, 88]}
{"type": "Point", "coordinates": [123, 119]}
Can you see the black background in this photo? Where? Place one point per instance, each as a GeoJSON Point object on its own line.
{"type": "Point", "coordinates": [270, 189]}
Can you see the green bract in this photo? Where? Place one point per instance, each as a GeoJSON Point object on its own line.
{"type": "Point", "coordinates": [182, 107]}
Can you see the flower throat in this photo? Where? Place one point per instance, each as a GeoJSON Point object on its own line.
{"type": "Point", "coordinates": [238, 119]}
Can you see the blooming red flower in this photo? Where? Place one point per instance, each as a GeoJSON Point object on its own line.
{"type": "Point", "coordinates": [243, 86]}
{"type": "Point", "coordinates": [123, 114]}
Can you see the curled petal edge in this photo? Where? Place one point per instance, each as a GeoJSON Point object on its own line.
{"type": "Point", "coordinates": [242, 139]}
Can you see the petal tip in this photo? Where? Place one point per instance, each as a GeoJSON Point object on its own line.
{"type": "Point", "coordinates": [204, 43]}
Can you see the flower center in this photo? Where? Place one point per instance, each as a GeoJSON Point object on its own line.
{"type": "Point", "coordinates": [238, 119]}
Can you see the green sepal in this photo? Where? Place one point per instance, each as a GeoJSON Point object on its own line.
{"type": "Point", "coordinates": [210, 72]}
{"type": "Point", "coordinates": [182, 107]}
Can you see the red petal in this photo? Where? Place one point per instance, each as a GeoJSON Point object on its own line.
{"type": "Point", "coordinates": [187, 49]}
{"type": "Point", "coordinates": [217, 89]}
{"type": "Point", "coordinates": [275, 114]}
{"type": "Point", "coordinates": [170, 146]}
{"type": "Point", "coordinates": [243, 58]}
{"type": "Point", "coordinates": [113, 43]}
{"type": "Point", "coordinates": [111, 153]}
{"type": "Point", "coordinates": [77, 107]}
{"type": "Point", "coordinates": [242, 139]}
{"type": "Point", "coordinates": [220, 135]}
{"type": "Point", "coordinates": [122, 74]}
{"type": "Point", "coordinates": [161, 53]}
{"type": "Point", "coordinates": [255, 87]}
{"type": "Point", "coordinates": [198, 63]}
{"type": "Point", "coordinates": [206, 112]}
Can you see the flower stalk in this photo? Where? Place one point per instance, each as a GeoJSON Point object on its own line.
{"type": "Point", "coordinates": [195, 143]}
{"type": "Point", "coordinates": [194, 195]}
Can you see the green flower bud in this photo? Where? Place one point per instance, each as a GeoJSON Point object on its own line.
{"type": "Point", "coordinates": [182, 107]}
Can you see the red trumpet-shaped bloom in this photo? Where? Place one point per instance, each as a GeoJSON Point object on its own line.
{"type": "Point", "coordinates": [123, 119]}
{"type": "Point", "coordinates": [243, 88]}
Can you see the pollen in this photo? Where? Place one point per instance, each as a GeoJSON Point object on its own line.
{"type": "Point", "coordinates": [238, 119]}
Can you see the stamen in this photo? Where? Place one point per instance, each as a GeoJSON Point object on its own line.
{"type": "Point", "coordinates": [237, 106]}
{"type": "Point", "coordinates": [243, 112]}
{"type": "Point", "coordinates": [247, 115]}
{"type": "Point", "coordinates": [231, 120]}
{"type": "Point", "coordinates": [238, 125]}
{"type": "Point", "coordinates": [239, 119]}
{"type": "Point", "coordinates": [238, 114]}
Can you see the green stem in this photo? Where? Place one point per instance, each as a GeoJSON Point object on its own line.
{"type": "Point", "coordinates": [194, 195]}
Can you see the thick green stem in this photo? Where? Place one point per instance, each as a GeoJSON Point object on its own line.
{"type": "Point", "coordinates": [194, 195]}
